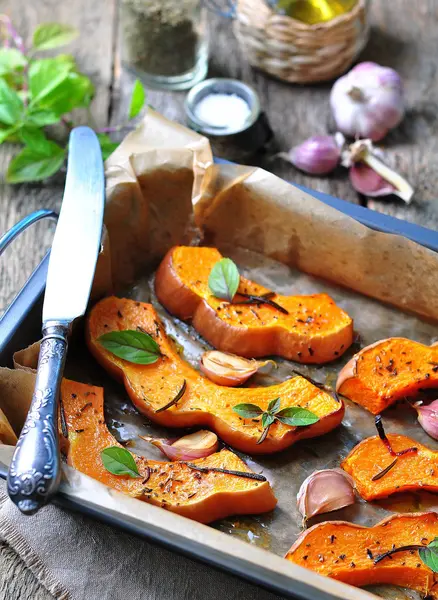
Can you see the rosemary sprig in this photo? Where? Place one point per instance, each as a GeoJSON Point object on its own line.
{"type": "Point", "coordinates": [384, 471]}
{"type": "Point", "coordinates": [263, 299]}
{"type": "Point", "coordinates": [255, 476]}
{"type": "Point", "coordinates": [178, 397]}
{"type": "Point", "coordinates": [428, 554]}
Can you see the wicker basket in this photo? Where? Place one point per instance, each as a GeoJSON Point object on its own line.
{"type": "Point", "coordinates": [296, 52]}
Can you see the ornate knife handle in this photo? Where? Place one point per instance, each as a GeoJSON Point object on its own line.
{"type": "Point", "coordinates": [34, 474]}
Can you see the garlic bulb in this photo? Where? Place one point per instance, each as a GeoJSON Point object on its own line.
{"type": "Point", "coordinates": [196, 445]}
{"type": "Point", "coordinates": [324, 491]}
{"type": "Point", "coordinates": [318, 155]}
{"type": "Point", "coordinates": [428, 418]}
{"type": "Point", "coordinates": [368, 101]}
{"type": "Point", "coordinates": [228, 369]}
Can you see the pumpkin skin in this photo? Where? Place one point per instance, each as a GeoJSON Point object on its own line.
{"type": "Point", "coordinates": [204, 403]}
{"type": "Point", "coordinates": [411, 473]}
{"type": "Point", "coordinates": [315, 330]}
{"type": "Point", "coordinates": [387, 371]}
{"type": "Point", "coordinates": [344, 551]}
{"type": "Point", "coordinates": [204, 497]}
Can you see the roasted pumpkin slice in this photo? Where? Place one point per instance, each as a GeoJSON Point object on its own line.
{"type": "Point", "coordinates": [309, 329]}
{"type": "Point", "coordinates": [377, 473]}
{"type": "Point", "coordinates": [387, 371]}
{"type": "Point", "coordinates": [203, 403]}
{"type": "Point", "coordinates": [347, 552]}
{"type": "Point", "coordinates": [203, 495]}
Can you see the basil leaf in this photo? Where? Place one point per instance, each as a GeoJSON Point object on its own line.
{"type": "Point", "coordinates": [75, 91]}
{"type": "Point", "coordinates": [296, 416]}
{"type": "Point", "coordinates": [134, 346]}
{"type": "Point", "coordinates": [53, 35]}
{"type": "Point", "coordinates": [35, 139]}
{"type": "Point", "coordinates": [274, 405]}
{"type": "Point", "coordinates": [429, 555]}
{"type": "Point", "coordinates": [248, 411]}
{"type": "Point", "coordinates": [5, 133]}
{"type": "Point", "coordinates": [11, 105]}
{"type": "Point", "coordinates": [45, 76]}
{"type": "Point", "coordinates": [35, 165]}
{"type": "Point", "coordinates": [267, 419]}
{"type": "Point", "coordinates": [10, 60]}
{"type": "Point", "coordinates": [106, 145]}
{"type": "Point", "coordinates": [41, 117]}
{"type": "Point", "coordinates": [119, 461]}
{"type": "Point", "coordinates": [137, 99]}
{"type": "Point", "coordinates": [224, 279]}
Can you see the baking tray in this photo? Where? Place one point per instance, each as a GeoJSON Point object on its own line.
{"type": "Point", "coordinates": [20, 326]}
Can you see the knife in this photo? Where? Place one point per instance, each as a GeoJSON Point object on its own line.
{"type": "Point", "coordinates": [35, 473]}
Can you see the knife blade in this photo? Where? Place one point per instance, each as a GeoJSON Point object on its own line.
{"type": "Point", "coordinates": [34, 473]}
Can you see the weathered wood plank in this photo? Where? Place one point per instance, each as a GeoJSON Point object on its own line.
{"type": "Point", "coordinates": [96, 22]}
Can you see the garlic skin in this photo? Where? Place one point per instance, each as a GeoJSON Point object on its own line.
{"type": "Point", "coordinates": [190, 447]}
{"type": "Point", "coordinates": [428, 418]}
{"type": "Point", "coordinates": [318, 155]}
{"type": "Point", "coordinates": [368, 101]}
{"type": "Point", "coordinates": [325, 491]}
{"type": "Point", "coordinates": [228, 369]}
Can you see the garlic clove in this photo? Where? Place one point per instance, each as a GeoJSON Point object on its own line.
{"type": "Point", "coordinates": [369, 175]}
{"type": "Point", "coordinates": [190, 447]}
{"type": "Point", "coordinates": [368, 101]}
{"type": "Point", "coordinates": [428, 418]}
{"type": "Point", "coordinates": [325, 491]}
{"type": "Point", "coordinates": [318, 155]}
{"type": "Point", "coordinates": [228, 369]}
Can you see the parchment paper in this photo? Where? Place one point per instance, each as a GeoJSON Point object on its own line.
{"type": "Point", "coordinates": [152, 180]}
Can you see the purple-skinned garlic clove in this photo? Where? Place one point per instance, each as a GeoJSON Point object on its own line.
{"type": "Point", "coordinates": [318, 155]}
{"type": "Point", "coordinates": [428, 418]}
{"type": "Point", "coordinates": [325, 491]}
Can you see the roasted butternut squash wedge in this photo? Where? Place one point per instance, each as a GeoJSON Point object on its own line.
{"type": "Point", "coordinates": [368, 462]}
{"type": "Point", "coordinates": [346, 552]}
{"type": "Point", "coordinates": [387, 371]}
{"type": "Point", "coordinates": [204, 403]}
{"type": "Point", "coordinates": [175, 486]}
{"type": "Point", "coordinates": [314, 330]}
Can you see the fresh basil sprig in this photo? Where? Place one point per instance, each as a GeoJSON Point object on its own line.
{"type": "Point", "coordinates": [224, 279]}
{"type": "Point", "coordinates": [36, 92]}
{"type": "Point", "coordinates": [119, 461]}
{"type": "Point", "coordinates": [291, 415]}
{"type": "Point", "coordinates": [131, 345]}
{"type": "Point", "coordinates": [429, 555]}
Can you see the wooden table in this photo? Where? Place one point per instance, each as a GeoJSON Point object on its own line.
{"type": "Point", "coordinates": [404, 36]}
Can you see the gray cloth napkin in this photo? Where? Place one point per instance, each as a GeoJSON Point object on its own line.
{"type": "Point", "coordinates": [76, 558]}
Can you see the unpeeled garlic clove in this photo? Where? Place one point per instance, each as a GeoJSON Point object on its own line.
{"type": "Point", "coordinates": [228, 369]}
{"type": "Point", "coordinates": [325, 491]}
{"type": "Point", "coordinates": [190, 447]}
{"type": "Point", "coordinates": [428, 418]}
{"type": "Point", "coordinates": [318, 155]}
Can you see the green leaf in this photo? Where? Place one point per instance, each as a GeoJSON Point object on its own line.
{"type": "Point", "coordinates": [267, 420]}
{"type": "Point", "coordinates": [5, 133]}
{"type": "Point", "coordinates": [134, 346]}
{"type": "Point", "coordinates": [248, 411]}
{"type": "Point", "coordinates": [42, 117]}
{"type": "Point", "coordinates": [53, 35]}
{"type": "Point", "coordinates": [296, 416]}
{"type": "Point", "coordinates": [274, 405]}
{"type": "Point", "coordinates": [224, 279]}
{"type": "Point", "coordinates": [10, 60]}
{"type": "Point", "coordinates": [119, 461]}
{"type": "Point", "coordinates": [429, 555]}
{"type": "Point", "coordinates": [106, 145]}
{"type": "Point", "coordinates": [45, 76]}
{"type": "Point", "coordinates": [11, 105]}
{"type": "Point", "coordinates": [137, 99]}
{"type": "Point", "coordinates": [35, 139]}
{"type": "Point", "coordinates": [76, 91]}
{"type": "Point", "coordinates": [35, 165]}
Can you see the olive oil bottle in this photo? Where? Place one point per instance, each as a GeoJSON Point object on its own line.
{"type": "Point", "coordinates": [315, 11]}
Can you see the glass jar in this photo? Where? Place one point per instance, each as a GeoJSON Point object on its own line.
{"type": "Point", "coordinates": [164, 42]}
